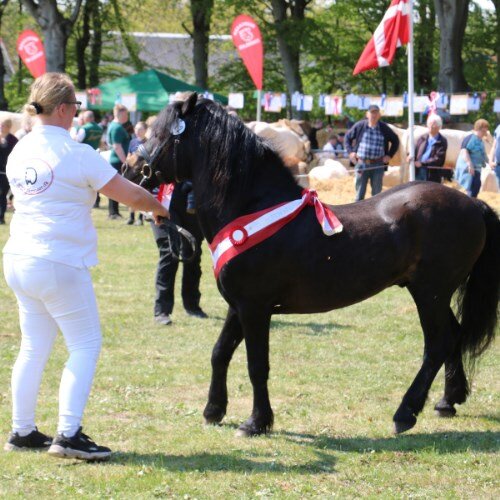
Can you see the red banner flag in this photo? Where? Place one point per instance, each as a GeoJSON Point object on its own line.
{"type": "Point", "coordinates": [31, 51]}
{"type": "Point", "coordinates": [392, 32]}
{"type": "Point", "coordinates": [248, 40]}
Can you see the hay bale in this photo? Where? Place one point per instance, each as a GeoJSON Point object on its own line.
{"type": "Point", "coordinates": [392, 177]}
{"type": "Point", "coordinates": [489, 180]}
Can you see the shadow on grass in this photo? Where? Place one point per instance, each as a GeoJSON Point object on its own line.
{"type": "Point", "coordinates": [438, 442]}
{"type": "Point", "coordinates": [231, 461]}
{"type": "Point", "coordinates": [310, 328]}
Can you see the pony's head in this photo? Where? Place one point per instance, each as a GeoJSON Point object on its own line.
{"type": "Point", "coordinates": [156, 161]}
{"type": "Point", "coordinates": [198, 140]}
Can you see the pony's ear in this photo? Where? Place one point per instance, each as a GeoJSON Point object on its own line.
{"type": "Point", "coordinates": [189, 104]}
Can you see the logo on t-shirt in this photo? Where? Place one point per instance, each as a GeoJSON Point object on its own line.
{"type": "Point", "coordinates": [35, 178]}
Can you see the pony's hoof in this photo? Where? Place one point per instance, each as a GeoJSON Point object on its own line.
{"type": "Point", "coordinates": [244, 432]}
{"type": "Point", "coordinates": [249, 429]}
{"type": "Point", "coordinates": [213, 414]}
{"type": "Point", "coordinates": [445, 410]}
{"type": "Point", "coordinates": [401, 426]}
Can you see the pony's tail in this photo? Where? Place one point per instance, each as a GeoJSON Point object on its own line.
{"type": "Point", "coordinates": [478, 296]}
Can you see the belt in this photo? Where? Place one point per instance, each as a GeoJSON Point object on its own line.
{"type": "Point", "coordinates": [371, 161]}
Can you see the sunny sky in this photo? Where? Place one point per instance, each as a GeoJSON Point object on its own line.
{"type": "Point", "coordinates": [486, 4]}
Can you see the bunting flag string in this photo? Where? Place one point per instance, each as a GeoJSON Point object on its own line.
{"type": "Point", "coordinates": [337, 104]}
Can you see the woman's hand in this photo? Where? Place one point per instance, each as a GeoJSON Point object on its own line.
{"type": "Point", "coordinates": [160, 214]}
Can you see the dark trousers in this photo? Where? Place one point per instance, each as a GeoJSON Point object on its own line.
{"type": "Point", "coordinates": [4, 189]}
{"type": "Point", "coordinates": [113, 206]}
{"type": "Point", "coordinates": [168, 265]}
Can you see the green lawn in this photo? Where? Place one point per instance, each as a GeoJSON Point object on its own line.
{"type": "Point", "coordinates": [336, 380]}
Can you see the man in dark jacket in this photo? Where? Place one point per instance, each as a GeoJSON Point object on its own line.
{"type": "Point", "coordinates": [371, 144]}
{"type": "Point", "coordinates": [430, 152]}
{"type": "Point", "coordinates": [181, 205]}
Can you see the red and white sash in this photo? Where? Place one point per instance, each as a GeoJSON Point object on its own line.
{"type": "Point", "coordinates": [249, 230]}
{"type": "Point", "coordinates": [164, 195]}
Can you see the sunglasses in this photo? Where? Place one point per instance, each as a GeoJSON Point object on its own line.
{"type": "Point", "coordinates": [78, 104]}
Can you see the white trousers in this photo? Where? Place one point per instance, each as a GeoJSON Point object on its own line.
{"type": "Point", "coordinates": [53, 296]}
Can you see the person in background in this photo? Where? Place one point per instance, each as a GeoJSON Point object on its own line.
{"type": "Point", "coordinates": [495, 154]}
{"type": "Point", "coordinates": [73, 131]}
{"type": "Point", "coordinates": [7, 143]}
{"type": "Point", "coordinates": [179, 199]}
{"type": "Point", "coordinates": [140, 130]}
{"type": "Point", "coordinates": [312, 135]}
{"type": "Point", "coordinates": [333, 145]}
{"type": "Point", "coordinates": [430, 151]}
{"type": "Point", "coordinates": [90, 133]}
{"type": "Point", "coordinates": [342, 145]}
{"type": "Point", "coordinates": [46, 263]}
{"type": "Point", "coordinates": [26, 126]}
{"type": "Point", "coordinates": [371, 144]}
{"type": "Point", "coordinates": [104, 123]}
{"type": "Point", "coordinates": [118, 140]}
{"type": "Point", "coordinates": [472, 159]}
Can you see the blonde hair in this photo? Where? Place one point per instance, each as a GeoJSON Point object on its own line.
{"type": "Point", "coordinates": [481, 123]}
{"type": "Point", "coordinates": [118, 109]}
{"type": "Point", "coordinates": [47, 92]}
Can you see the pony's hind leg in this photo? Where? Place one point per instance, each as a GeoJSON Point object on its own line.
{"type": "Point", "coordinates": [256, 322]}
{"type": "Point", "coordinates": [435, 321]}
{"type": "Point", "coordinates": [229, 339]}
{"type": "Point", "coordinates": [456, 388]}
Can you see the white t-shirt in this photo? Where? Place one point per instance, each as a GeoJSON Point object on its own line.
{"type": "Point", "coordinates": [54, 181]}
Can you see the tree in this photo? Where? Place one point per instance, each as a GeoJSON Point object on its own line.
{"type": "Point", "coordinates": [128, 40]}
{"type": "Point", "coordinates": [289, 16]}
{"type": "Point", "coordinates": [424, 40]}
{"type": "Point", "coordinates": [3, 100]}
{"type": "Point", "coordinates": [89, 34]}
{"type": "Point", "coordinates": [201, 13]}
{"type": "Point", "coordinates": [56, 29]}
{"type": "Point", "coordinates": [452, 16]}
{"type": "Point", "coordinates": [497, 11]}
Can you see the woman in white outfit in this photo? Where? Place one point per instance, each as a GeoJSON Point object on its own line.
{"type": "Point", "coordinates": [52, 244]}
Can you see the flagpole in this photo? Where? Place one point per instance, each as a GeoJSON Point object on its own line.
{"type": "Point", "coordinates": [259, 104]}
{"type": "Point", "coordinates": [411, 117]}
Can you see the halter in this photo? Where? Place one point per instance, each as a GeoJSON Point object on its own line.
{"type": "Point", "coordinates": [147, 168]}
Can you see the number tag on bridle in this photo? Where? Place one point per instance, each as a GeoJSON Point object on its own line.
{"type": "Point", "coordinates": [178, 127]}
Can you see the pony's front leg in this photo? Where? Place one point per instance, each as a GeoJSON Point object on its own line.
{"type": "Point", "coordinates": [229, 339]}
{"type": "Point", "coordinates": [256, 322]}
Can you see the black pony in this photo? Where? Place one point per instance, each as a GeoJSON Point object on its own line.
{"type": "Point", "coordinates": [423, 236]}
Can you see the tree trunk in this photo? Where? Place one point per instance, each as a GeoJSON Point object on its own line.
{"type": "Point", "coordinates": [201, 13]}
{"type": "Point", "coordinates": [452, 17]}
{"type": "Point", "coordinates": [96, 44]}
{"type": "Point", "coordinates": [497, 11]}
{"type": "Point", "coordinates": [128, 40]}
{"type": "Point", "coordinates": [424, 45]}
{"type": "Point", "coordinates": [287, 27]}
{"type": "Point", "coordinates": [56, 30]}
{"type": "Point", "coordinates": [81, 44]}
{"type": "Point", "coordinates": [3, 101]}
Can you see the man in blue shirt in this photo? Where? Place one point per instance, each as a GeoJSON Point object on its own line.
{"type": "Point", "coordinates": [370, 144]}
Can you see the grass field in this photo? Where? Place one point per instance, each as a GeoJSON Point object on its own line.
{"type": "Point", "coordinates": [336, 380]}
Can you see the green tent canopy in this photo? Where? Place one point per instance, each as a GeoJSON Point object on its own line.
{"type": "Point", "coordinates": [152, 88]}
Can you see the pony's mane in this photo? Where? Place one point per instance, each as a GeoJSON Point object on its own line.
{"type": "Point", "coordinates": [232, 154]}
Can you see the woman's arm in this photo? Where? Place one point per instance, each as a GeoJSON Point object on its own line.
{"type": "Point", "coordinates": [128, 193]}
